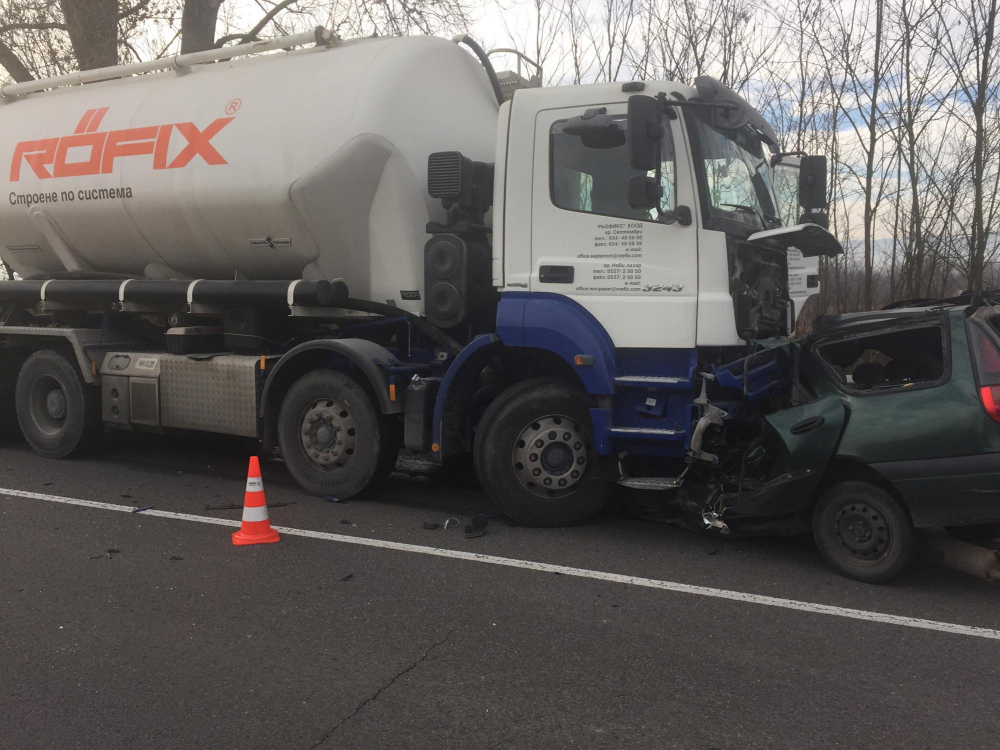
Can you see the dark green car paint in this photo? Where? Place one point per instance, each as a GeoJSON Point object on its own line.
{"type": "Point", "coordinates": [934, 443]}
{"type": "Point", "coordinates": [805, 437]}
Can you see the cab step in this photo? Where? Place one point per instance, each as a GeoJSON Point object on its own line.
{"type": "Point", "coordinates": [651, 381]}
{"type": "Point", "coordinates": [650, 483]}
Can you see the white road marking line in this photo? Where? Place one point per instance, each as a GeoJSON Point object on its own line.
{"type": "Point", "coordinates": [597, 575]}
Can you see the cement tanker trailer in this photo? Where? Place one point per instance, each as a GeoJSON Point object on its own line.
{"type": "Point", "coordinates": [342, 247]}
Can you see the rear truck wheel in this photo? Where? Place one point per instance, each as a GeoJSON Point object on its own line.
{"type": "Point", "coordinates": [863, 531]}
{"type": "Point", "coordinates": [333, 438]}
{"type": "Point", "coordinates": [8, 385]}
{"type": "Point", "coordinates": [59, 413]}
{"type": "Point", "coordinates": [535, 455]}
{"type": "Point", "coordinates": [980, 533]}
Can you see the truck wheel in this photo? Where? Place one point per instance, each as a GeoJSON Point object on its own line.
{"type": "Point", "coordinates": [863, 531]}
{"type": "Point", "coordinates": [333, 438]}
{"type": "Point", "coordinates": [535, 455]}
{"type": "Point", "coordinates": [8, 385]}
{"type": "Point", "coordinates": [59, 414]}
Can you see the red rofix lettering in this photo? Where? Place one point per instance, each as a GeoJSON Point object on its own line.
{"type": "Point", "coordinates": [38, 154]}
{"type": "Point", "coordinates": [93, 141]}
{"type": "Point", "coordinates": [64, 157]}
{"type": "Point", "coordinates": [135, 142]}
{"type": "Point", "coordinates": [198, 143]}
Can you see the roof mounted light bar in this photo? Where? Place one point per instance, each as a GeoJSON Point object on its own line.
{"type": "Point", "coordinates": [318, 36]}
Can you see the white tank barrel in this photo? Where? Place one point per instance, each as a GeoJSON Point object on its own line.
{"type": "Point", "coordinates": [305, 164]}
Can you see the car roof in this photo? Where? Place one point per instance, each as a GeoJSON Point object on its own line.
{"type": "Point", "coordinates": [847, 321]}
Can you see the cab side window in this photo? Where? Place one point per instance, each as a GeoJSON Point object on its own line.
{"type": "Point", "coordinates": [593, 179]}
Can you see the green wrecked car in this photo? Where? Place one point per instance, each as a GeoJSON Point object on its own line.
{"type": "Point", "coordinates": [876, 425]}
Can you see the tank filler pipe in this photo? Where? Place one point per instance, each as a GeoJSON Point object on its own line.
{"type": "Point", "coordinates": [471, 43]}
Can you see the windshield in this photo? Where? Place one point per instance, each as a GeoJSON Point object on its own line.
{"type": "Point", "coordinates": [736, 173]}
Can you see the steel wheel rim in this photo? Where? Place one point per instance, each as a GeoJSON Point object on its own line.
{"type": "Point", "coordinates": [550, 456]}
{"type": "Point", "coordinates": [47, 405]}
{"type": "Point", "coordinates": [862, 532]}
{"type": "Point", "coordinates": [327, 434]}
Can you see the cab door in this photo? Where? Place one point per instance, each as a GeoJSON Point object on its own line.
{"type": "Point", "coordinates": [635, 270]}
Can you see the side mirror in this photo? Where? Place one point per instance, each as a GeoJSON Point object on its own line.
{"type": "Point", "coordinates": [645, 132]}
{"type": "Point", "coordinates": [812, 182]}
{"type": "Point", "coordinates": [644, 191]}
{"type": "Point", "coordinates": [596, 128]}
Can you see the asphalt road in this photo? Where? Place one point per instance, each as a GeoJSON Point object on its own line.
{"type": "Point", "coordinates": [181, 640]}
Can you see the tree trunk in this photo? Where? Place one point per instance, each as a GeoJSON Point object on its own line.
{"type": "Point", "coordinates": [13, 65]}
{"type": "Point", "coordinates": [93, 31]}
{"type": "Point", "coordinates": [198, 25]}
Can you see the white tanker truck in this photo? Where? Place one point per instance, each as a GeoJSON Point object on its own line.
{"type": "Point", "coordinates": [343, 247]}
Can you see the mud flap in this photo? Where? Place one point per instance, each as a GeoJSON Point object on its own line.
{"type": "Point", "coordinates": [802, 440]}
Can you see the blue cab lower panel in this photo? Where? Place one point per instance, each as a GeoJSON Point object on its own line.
{"type": "Point", "coordinates": [651, 389]}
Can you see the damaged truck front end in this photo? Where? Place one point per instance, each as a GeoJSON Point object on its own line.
{"type": "Point", "coordinates": [875, 425]}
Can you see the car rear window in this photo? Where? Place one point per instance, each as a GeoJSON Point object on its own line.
{"type": "Point", "coordinates": [897, 358]}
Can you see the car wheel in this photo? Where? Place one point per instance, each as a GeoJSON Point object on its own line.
{"type": "Point", "coordinates": [59, 414]}
{"type": "Point", "coordinates": [980, 533]}
{"type": "Point", "coordinates": [863, 531]}
{"type": "Point", "coordinates": [535, 455]}
{"type": "Point", "coordinates": [333, 438]}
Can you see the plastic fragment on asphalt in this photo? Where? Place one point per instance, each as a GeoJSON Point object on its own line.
{"type": "Point", "coordinates": [331, 499]}
{"type": "Point", "coordinates": [451, 522]}
{"type": "Point", "coordinates": [140, 510]}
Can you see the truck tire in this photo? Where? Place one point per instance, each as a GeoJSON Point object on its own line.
{"type": "Point", "coordinates": [8, 385]}
{"type": "Point", "coordinates": [535, 455]}
{"type": "Point", "coordinates": [59, 413]}
{"type": "Point", "coordinates": [333, 438]}
{"type": "Point", "coordinates": [863, 531]}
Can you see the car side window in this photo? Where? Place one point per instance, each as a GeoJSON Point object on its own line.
{"type": "Point", "coordinates": [894, 359]}
{"type": "Point", "coordinates": [594, 179]}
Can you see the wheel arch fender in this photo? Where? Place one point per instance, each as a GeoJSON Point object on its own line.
{"type": "Point", "coordinates": [370, 359]}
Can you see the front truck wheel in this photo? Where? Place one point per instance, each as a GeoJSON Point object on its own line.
{"type": "Point", "coordinates": [59, 413]}
{"type": "Point", "coordinates": [863, 531]}
{"type": "Point", "coordinates": [535, 455]}
{"type": "Point", "coordinates": [333, 438]}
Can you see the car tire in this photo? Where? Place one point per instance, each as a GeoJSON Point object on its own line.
{"type": "Point", "coordinates": [863, 532]}
{"type": "Point", "coordinates": [553, 485]}
{"type": "Point", "coordinates": [333, 438]}
{"type": "Point", "coordinates": [980, 533]}
{"type": "Point", "coordinates": [59, 414]}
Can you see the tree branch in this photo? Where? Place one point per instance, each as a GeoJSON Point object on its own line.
{"type": "Point", "coordinates": [32, 27]}
{"type": "Point", "coordinates": [134, 9]}
{"type": "Point", "coordinates": [252, 34]}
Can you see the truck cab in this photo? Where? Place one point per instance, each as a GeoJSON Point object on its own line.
{"type": "Point", "coordinates": [642, 262]}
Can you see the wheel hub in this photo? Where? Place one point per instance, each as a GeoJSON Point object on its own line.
{"type": "Point", "coordinates": [550, 456]}
{"type": "Point", "coordinates": [55, 403]}
{"type": "Point", "coordinates": [327, 434]}
{"type": "Point", "coordinates": [48, 405]}
{"type": "Point", "coordinates": [862, 531]}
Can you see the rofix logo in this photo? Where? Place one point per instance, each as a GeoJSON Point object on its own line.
{"type": "Point", "coordinates": [61, 157]}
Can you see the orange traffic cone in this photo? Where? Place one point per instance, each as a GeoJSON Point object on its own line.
{"type": "Point", "coordinates": [256, 528]}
